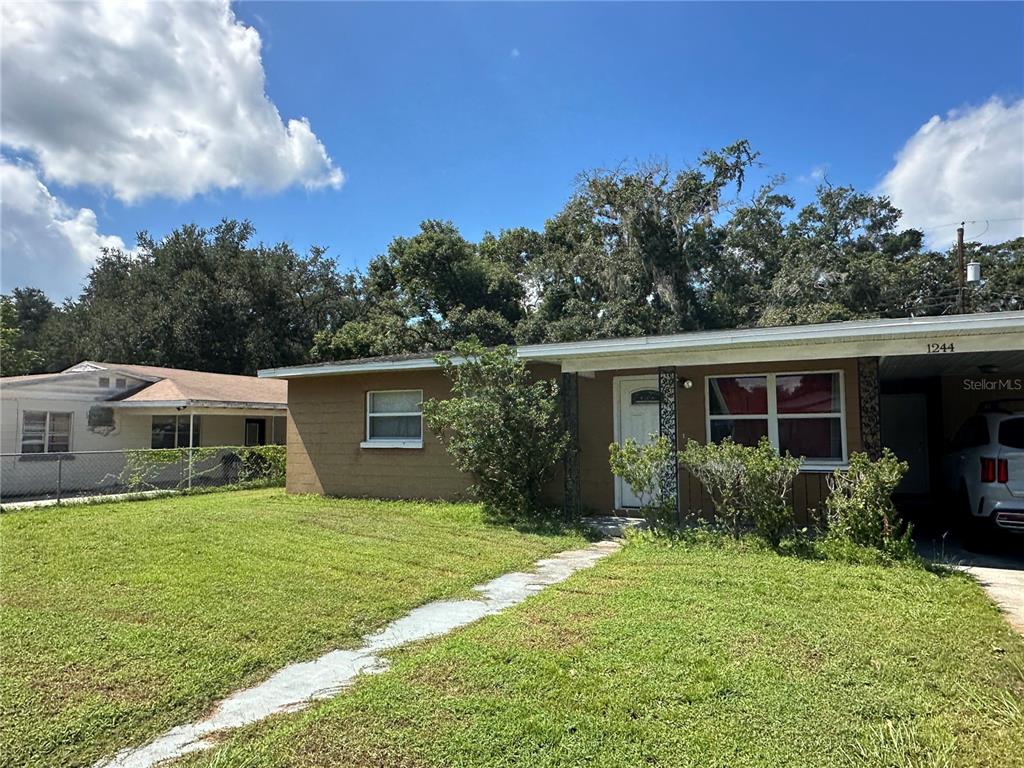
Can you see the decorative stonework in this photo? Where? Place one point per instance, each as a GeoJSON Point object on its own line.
{"type": "Point", "coordinates": [870, 408]}
{"type": "Point", "coordinates": [667, 427]}
{"type": "Point", "coordinates": [571, 502]}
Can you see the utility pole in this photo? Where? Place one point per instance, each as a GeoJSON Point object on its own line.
{"type": "Point", "coordinates": [963, 269]}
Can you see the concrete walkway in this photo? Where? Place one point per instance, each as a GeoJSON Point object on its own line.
{"type": "Point", "coordinates": [297, 685]}
{"type": "Point", "coordinates": [1000, 575]}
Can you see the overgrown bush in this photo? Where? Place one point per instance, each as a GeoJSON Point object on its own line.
{"type": "Point", "coordinates": [500, 426]}
{"type": "Point", "coordinates": [860, 508]}
{"type": "Point", "coordinates": [643, 467]}
{"type": "Point", "coordinates": [749, 486]}
{"type": "Point", "coordinates": [767, 483]}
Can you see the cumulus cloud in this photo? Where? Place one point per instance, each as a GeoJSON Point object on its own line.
{"type": "Point", "coordinates": [46, 244]}
{"type": "Point", "coordinates": [966, 166]}
{"type": "Point", "coordinates": [149, 99]}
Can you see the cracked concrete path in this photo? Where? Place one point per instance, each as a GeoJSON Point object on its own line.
{"type": "Point", "coordinates": [297, 685]}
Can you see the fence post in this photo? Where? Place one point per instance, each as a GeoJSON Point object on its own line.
{"type": "Point", "coordinates": [60, 476]}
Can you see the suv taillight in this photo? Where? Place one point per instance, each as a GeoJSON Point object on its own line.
{"type": "Point", "coordinates": [994, 470]}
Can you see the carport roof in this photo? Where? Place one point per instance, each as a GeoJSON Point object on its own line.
{"type": "Point", "coordinates": [855, 338]}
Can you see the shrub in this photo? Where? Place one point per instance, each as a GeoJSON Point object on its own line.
{"type": "Point", "coordinates": [720, 468]}
{"type": "Point", "coordinates": [748, 485]}
{"type": "Point", "coordinates": [643, 467]}
{"type": "Point", "coordinates": [860, 508]}
{"type": "Point", "coordinates": [767, 482]}
{"type": "Point", "coordinates": [500, 426]}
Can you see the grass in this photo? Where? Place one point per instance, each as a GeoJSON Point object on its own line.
{"type": "Point", "coordinates": [121, 620]}
{"type": "Point", "coordinates": [681, 656]}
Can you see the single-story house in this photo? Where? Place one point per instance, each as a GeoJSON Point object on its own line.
{"type": "Point", "coordinates": [818, 391]}
{"type": "Point", "coordinates": [92, 411]}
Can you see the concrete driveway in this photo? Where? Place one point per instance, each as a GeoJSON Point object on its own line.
{"type": "Point", "coordinates": [1000, 573]}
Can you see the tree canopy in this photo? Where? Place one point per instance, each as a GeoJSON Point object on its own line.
{"type": "Point", "coordinates": [634, 251]}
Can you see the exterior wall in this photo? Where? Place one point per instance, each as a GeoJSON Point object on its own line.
{"type": "Point", "coordinates": [327, 422]}
{"type": "Point", "coordinates": [76, 394]}
{"type": "Point", "coordinates": [597, 430]}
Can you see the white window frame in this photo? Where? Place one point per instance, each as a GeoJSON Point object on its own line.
{"type": "Point", "coordinates": [809, 465]}
{"type": "Point", "coordinates": [46, 432]}
{"type": "Point", "coordinates": [387, 442]}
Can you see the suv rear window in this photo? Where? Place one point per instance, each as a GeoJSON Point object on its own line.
{"type": "Point", "coordinates": [1011, 433]}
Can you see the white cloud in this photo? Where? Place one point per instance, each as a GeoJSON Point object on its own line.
{"type": "Point", "coordinates": [968, 166]}
{"type": "Point", "coordinates": [149, 99]}
{"type": "Point", "coordinates": [45, 243]}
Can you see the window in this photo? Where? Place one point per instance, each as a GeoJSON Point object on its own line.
{"type": "Point", "coordinates": [104, 382]}
{"type": "Point", "coordinates": [120, 384]}
{"type": "Point", "coordinates": [1011, 433]}
{"type": "Point", "coordinates": [45, 432]}
{"type": "Point", "coordinates": [802, 413]}
{"type": "Point", "coordinates": [172, 432]}
{"type": "Point", "coordinates": [394, 419]}
{"type": "Point", "coordinates": [973, 433]}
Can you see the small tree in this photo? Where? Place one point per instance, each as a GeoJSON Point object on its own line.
{"type": "Point", "coordinates": [643, 467]}
{"type": "Point", "coordinates": [500, 426]}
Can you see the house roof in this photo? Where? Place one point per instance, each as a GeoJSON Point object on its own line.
{"type": "Point", "coordinates": [179, 387]}
{"type": "Point", "coordinates": [897, 336]}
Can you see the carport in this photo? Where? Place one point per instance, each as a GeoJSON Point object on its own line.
{"type": "Point", "coordinates": [924, 399]}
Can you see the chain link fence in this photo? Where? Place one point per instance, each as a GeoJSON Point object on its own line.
{"type": "Point", "coordinates": [77, 474]}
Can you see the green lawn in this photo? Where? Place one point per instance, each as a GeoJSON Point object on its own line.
{"type": "Point", "coordinates": [687, 656]}
{"type": "Point", "coordinates": [121, 620]}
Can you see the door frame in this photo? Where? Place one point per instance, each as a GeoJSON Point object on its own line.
{"type": "Point", "coordinates": [617, 383]}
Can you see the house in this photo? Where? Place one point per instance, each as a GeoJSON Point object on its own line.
{"type": "Point", "coordinates": [818, 391]}
{"type": "Point", "coordinates": [94, 411]}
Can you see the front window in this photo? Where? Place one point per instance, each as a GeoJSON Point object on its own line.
{"type": "Point", "coordinates": [45, 432]}
{"type": "Point", "coordinates": [394, 419]}
{"type": "Point", "coordinates": [172, 432]}
{"type": "Point", "coordinates": [800, 413]}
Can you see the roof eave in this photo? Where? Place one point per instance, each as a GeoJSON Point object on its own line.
{"type": "Point", "coordinates": [233, 404]}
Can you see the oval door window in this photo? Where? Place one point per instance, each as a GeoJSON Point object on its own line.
{"type": "Point", "coordinates": [645, 397]}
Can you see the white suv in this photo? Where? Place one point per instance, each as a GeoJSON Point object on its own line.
{"type": "Point", "coordinates": [985, 469]}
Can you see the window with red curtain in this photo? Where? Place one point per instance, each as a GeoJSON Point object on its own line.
{"type": "Point", "coordinates": [801, 413]}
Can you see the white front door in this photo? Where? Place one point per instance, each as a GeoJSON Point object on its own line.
{"type": "Point", "coordinates": [636, 418]}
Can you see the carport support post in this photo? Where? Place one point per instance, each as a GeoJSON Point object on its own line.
{"type": "Point", "coordinates": [667, 421]}
{"type": "Point", "coordinates": [191, 434]}
{"type": "Point", "coordinates": [870, 406]}
{"type": "Point", "coordinates": [571, 503]}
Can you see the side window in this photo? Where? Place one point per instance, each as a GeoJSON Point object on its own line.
{"type": "Point", "coordinates": [1011, 433]}
{"type": "Point", "coordinates": [972, 434]}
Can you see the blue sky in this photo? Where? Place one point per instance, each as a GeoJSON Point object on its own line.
{"type": "Point", "coordinates": [484, 114]}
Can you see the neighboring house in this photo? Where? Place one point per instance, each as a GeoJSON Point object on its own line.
{"type": "Point", "coordinates": [109, 406]}
{"type": "Point", "coordinates": [818, 391]}
{"type": "Point", "coordinates": [82, 414]}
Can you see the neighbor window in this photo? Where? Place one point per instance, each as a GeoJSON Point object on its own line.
{"type": "Point", "coordinates": [394, 419]}
{"type": "Point", "coordinates": [120, 383]}
{"type": "Point", "coordinates": [104, 382]}
{"type": "Point", "coordinates": [172, 432]}
{"type": "Point", "coordinates": [45, 432]}
{"type": "Point", "coordinates": [801, 413]}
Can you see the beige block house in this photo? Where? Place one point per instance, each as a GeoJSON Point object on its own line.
{"type": "Point", "coordinates": [818, 391]}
